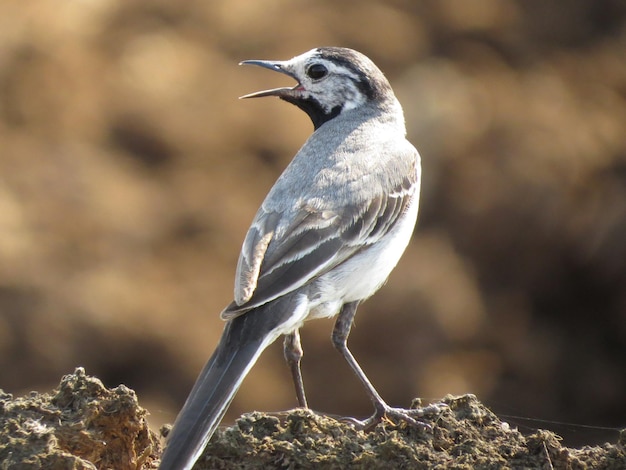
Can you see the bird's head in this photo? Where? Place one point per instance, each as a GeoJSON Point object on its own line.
{"type": "Point", "coordinates": [330, 81]}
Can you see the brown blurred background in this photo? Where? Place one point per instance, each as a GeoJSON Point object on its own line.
{"type": "Point", "coordinates": [129, 173]}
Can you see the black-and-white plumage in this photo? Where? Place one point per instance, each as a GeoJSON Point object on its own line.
{"type": "Point", "coordinates": [326, 237]}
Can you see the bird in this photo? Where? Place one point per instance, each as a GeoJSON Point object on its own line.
{"type": "Point", "coordinates": [326, 237]}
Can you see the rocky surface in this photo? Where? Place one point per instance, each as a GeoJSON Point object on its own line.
{"type": "Point", "coordinates": [79, 425]}
{"type": "Point", "coordinates": [83, 425]}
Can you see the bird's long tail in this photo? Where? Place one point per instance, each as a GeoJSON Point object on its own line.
{"type": "Point", "coordinates": [243, 340]}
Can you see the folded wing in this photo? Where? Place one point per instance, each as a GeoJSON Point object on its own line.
{"type": "Point", "coordinates": [314, 242]}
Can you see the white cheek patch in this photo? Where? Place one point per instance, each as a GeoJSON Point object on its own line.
{"type": "Point", "coordinates": [346, 92]}
{"type": "Point", "coordinates": [338, 89]}
{"type": "Point", "coordinates": [354, 97]}
{"type": "Point", "coordinates": [338, 92]}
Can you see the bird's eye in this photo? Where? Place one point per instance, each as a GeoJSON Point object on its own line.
{"type": "Point", "coordinates": [317, 71]}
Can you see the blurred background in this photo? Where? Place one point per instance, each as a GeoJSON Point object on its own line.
{"type": "Point", "coordinates": [129, 174]}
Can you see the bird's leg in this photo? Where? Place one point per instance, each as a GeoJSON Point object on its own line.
{"type": "Point", "coordinates": [293, 355]}
{"type": "Point", "coordinates": [340, 335]}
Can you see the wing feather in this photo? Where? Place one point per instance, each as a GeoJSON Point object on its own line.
{"type": "Point", "coordinates": [274, 262]}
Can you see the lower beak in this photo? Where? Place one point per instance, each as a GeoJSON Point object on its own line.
{"type": "Point", "coordinates": [276, 66]}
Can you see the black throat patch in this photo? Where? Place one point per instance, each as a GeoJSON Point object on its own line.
{"type": "Point", "coordinates": [314, 110]}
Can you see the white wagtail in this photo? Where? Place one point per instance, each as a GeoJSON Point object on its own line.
{"type": "Point", "coordinates": [326, 237]}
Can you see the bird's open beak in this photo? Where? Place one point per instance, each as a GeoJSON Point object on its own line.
{"type": "Point", "coordinates": [277, 66]}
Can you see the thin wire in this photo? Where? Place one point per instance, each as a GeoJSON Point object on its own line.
{"type": "Point", "coordinates": [560, 423]}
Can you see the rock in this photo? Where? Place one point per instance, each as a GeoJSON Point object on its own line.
{"type": "Point", "coordinates": [79, 425]}
{"type": "Point", "coordinates": [84, 425]}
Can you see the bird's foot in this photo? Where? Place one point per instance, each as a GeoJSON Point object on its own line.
{"type": "Point", "coordinates": [412, 416]}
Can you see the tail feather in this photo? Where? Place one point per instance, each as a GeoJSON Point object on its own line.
{"type": "Point", "coordinates": [243, 340]}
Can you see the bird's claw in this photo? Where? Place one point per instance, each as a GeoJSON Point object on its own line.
{"type": "Point", "coordinates": [411, 416]}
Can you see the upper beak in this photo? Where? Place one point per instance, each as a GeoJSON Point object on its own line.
{"type": "Point", "coordinates": [277, 66]}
